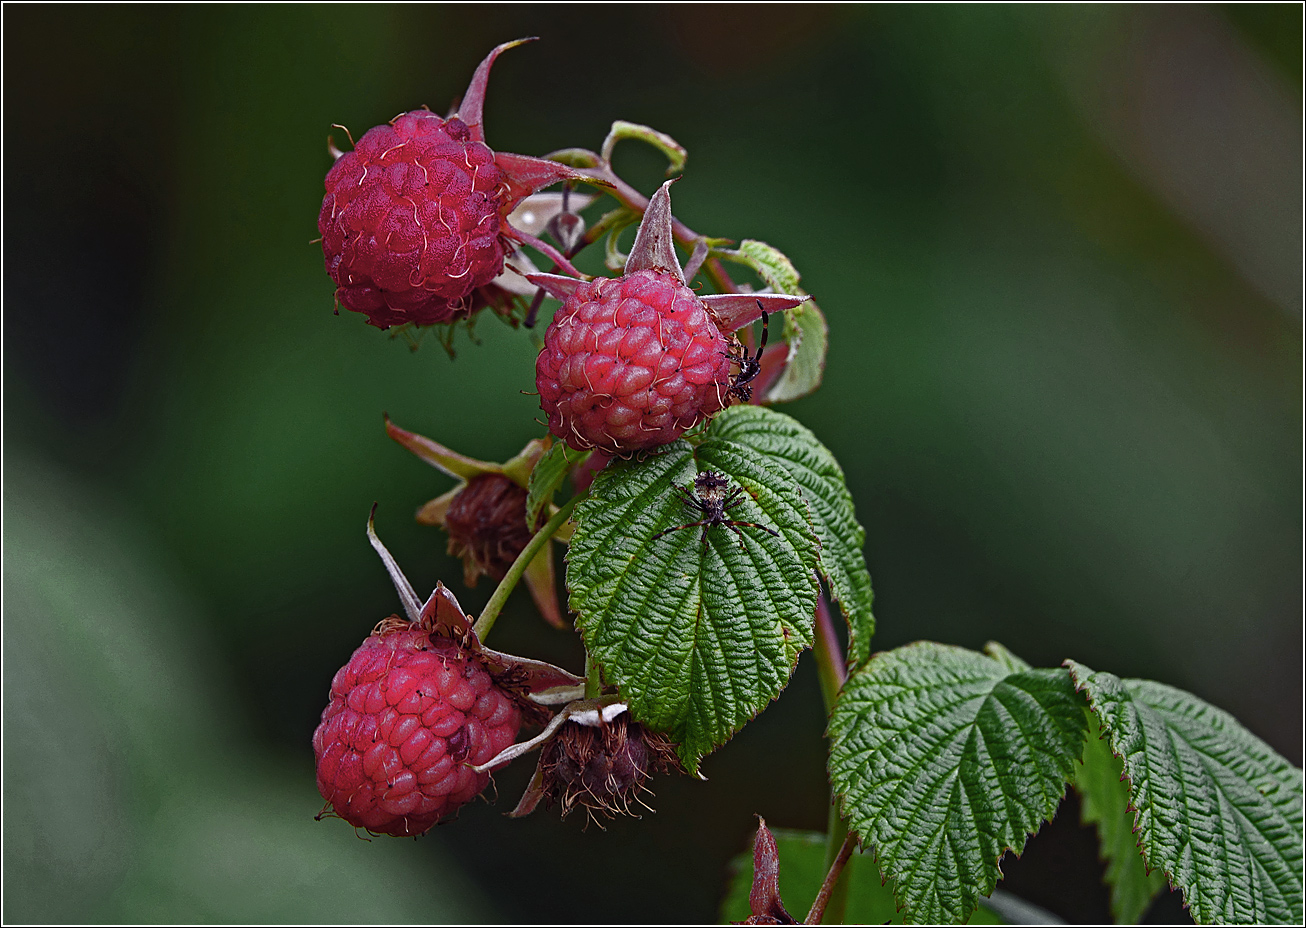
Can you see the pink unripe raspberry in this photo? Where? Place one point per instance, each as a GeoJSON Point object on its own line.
{"type": "Point", "coordinates": [411, 220]}
{"type": "Point", "coordinates": [409, 716]}
{"type": "Point", "coordinates": [631, 363]}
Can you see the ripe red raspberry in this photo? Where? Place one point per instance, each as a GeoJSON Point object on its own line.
{"type": "Point", "coordinates": [411, 219]}
{"type": "Point", "coordinates": [414, 223]}
{"type": "Point", "coordinates": [409, 716]}
{"type": "Point", "coordinates": [630, 363]}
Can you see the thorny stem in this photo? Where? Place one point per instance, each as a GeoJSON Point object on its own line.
{"type": "Point", "coordinates": [832, 671]}
{"type": "Point", "coordinates": [500, 595]}
{"type": "Point", "coordinates": [817, 911]}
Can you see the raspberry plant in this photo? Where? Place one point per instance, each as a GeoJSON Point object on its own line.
{"type": "Point", "coordinates": [941, 759]}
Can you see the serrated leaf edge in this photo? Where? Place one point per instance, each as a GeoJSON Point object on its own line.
{"type": "Point", "coordinates": [1081, 687]}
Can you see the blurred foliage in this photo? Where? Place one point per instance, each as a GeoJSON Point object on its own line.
{"type": "Point", "coordinates": [1068, 405]}
{"type": "Point", "coordinates": [130, 791]}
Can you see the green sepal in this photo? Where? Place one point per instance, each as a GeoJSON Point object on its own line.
{"type": "Point", "coordinates": [674, 151]}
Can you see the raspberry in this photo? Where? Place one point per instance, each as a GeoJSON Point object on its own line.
{"type": "Point", "coordinates": [631, 363]}
{"type": "Point", "coordinates": [409, 716]}
{"type": "Point", "coordinates": [410, 222]}
{"type": "Point", "coordinates": [414, 223]}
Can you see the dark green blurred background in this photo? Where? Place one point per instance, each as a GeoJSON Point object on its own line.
{"type": "Point", "coordinates": [1060, 254]}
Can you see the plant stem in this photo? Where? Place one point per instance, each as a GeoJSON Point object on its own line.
{"type": "Point", "coordinates": [593, 681]}
{"type": "Point", "coordinates": [500, 595]}
{"type": "Point", "coordinates": [832, 879]}
{"type": "Point", "coordinates": [830, 668]}
{"type": "Point", "coordinates": [631, 198]}
{"type": "Point", "coordinates": [832, 671]}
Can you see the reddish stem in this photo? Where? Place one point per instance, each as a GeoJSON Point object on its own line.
{"type": "Point", "coordinates": [830, 665]}
{"type": "Point", "coordinates": [817, 911]}
{"type": "Point", "coordinates": [831, 671]}
{"type": "Point", "coordinates": [559, 260]}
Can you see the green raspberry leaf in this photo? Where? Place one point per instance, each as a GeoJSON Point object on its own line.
{"type": "Point", "coordinates": [1217, 809]}
{"type": "Point", "coordinates": [697, 638]}
{"type": "Point", "coordinates": [945, 759]}
{"type": "Point", "coordinates": [793, 447]}
{"type": "Point", "coordinates": [1105, 802]}
{"type": "Point", "coordinates": [805, 331]}
{"type": "Point", "coordinates": [547, 475]}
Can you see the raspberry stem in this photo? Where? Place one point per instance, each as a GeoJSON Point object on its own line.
{"type": "Point", "coordinates": [500, 596]}
{"type": "Point", "coordinates": [608, 182]}
{"type": "Point", "coordinates": [832, 880]}
{"type": "Point", "coordinates": [831, 670]}
{"type": "Point", "coordinates": [593, 677]}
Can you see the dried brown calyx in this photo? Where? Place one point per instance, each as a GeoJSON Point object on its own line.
{"type": "Point", "coordinates": [485, 515]}
{"type": "Point", "coordinates": [603, 768]}
{"type": "Point", "coordinates": [486, 522]}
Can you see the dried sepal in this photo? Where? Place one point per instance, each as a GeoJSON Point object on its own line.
{"type": "Point", "coordinates": [594, 756]}
{"type": "Point", "coordinates": [412, 605]}
{"type": "Point", "coordinates": [764, 898]}
{"type": "Point", "coordinates": [654, 248]}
